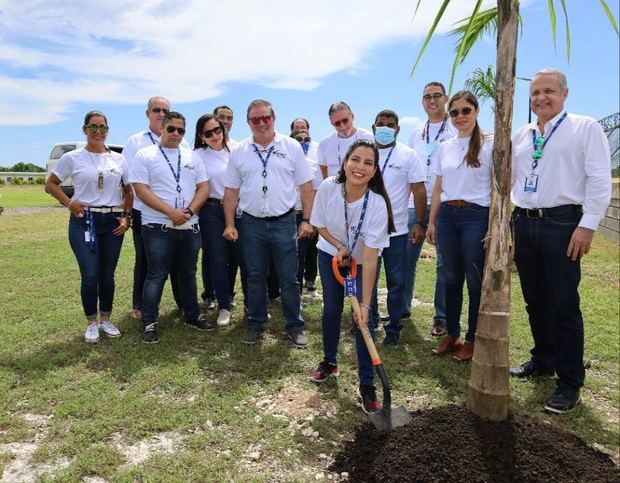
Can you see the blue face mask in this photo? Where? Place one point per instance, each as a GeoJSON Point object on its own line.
{"type": "Point", "coordinates": [385, 135]}
{"type": "Point", "coordinates": [305, 147]}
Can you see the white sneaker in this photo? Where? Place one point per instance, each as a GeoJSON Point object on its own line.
{"type": "Point", "coordinates": [109, 329]}
{"type": "Point", "coordinates": [224, 318]}
{"type": "Point", "coordinates": [92, 333]}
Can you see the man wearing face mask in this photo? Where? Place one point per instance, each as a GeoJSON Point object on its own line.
{"type": "Point", "coordinates": [403, 175]}
{"type": "Point", "coordinates": [311, 148]}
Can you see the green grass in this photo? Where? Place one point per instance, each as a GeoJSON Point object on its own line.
{"type": "Point", "coordinates": [205, 389]}
{"type": "Point", "coordinates": [25, 196]}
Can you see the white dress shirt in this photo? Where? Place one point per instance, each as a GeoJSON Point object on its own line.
{"type": "Point", "coordinates": [333, 148]}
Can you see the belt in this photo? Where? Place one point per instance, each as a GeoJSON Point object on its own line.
{"type": "Point", "coordinates": [214, 201]}
{"type": "Point", "coordinates": [458, 203]}
{"type": "Point", "coordinates": [105, 209]}
{"type": "Point", "coordinates": [272, 218]}
{"type": "Point", "coordinates": [547, 212]}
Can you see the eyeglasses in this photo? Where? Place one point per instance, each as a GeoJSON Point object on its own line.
{"type": "Point", "coordinates": [171, 129]}
{"type": "Point", "coordinates": [258, 119]}
{"type": "Point", "coordinates": [344, 122]}
{"type": "Point", "coordinates": [466, 111]}
{"type": "Point", "coordinates": [436, 96]}
{"type": "Point", "coordinates": [302, 140]}
{"type": "Point", "coordinates": [210, 132]}
{"type": "Point", "coordinates": [157, 110]}
{"type": "Point", "coordinates": [93, 128]}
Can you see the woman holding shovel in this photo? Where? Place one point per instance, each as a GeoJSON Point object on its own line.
{"type": "Point", "coordinates": [353, 216]}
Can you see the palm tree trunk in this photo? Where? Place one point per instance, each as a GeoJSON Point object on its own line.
{"type": "Point", "coordinates": [489, 393]}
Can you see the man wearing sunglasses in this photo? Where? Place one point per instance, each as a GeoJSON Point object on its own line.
{"type": "Point", "coordinates": [333, 147]}
{"type": "Point", "coordinates": [425, 142]}
{"type": "Point", "coordinates": [263, 173]}
{"type": "Point", "coordinates": [172, 189]}
{"type": "Point", "coordinates": [561, 188]}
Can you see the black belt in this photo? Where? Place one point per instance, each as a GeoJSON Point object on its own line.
{"type": "Point", "coordinates": [214, 201]}
{"type": "Point", "coordinates": [271, 218]}
{"type": "Point", "coordinates": [549, 212]}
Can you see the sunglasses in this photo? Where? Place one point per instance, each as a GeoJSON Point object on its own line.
{"type": "Point", "coordinates": [210, 132]}
{"type": "Point", "coordinates": [257, 120]}
{"type": "Point", "coordinates": [435, 96]}
{"type": "Point", "coordinates": [93, 128]}
{"type": "Point", "coordinates": [157, 110]}
{"type": "Point", "coordinates": [466, 111]}
{"type": "Point", "coordinates": [302, 140]}
{"type": "Point", "coordinates": [344, 122]}
{"type": "Point", "coordinates": [171, 129]}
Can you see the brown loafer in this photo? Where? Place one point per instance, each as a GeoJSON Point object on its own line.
{"type": "Point", "coordinates": [449, 343]}
{"type": "Point", "coordinates": [465, 353]}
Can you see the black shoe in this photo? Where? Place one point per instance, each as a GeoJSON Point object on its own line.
{"type": "Point", "coordinates": [384, 318]}
{"type": "Point", "coordinates": [323, 371]}
{"type": "Point", "coordinates": [310, 286]}
{"type": "Point", "coordinates": [563, 400]}
{"type": "Point", "coordinates": [149, 336]}
{"type": "Point", "coordinates": [391, 339]}
{"type": "Point", "coordinates": [251, 336]}
{"type": "Point", "coordinates": [530, 369]}
{"type": "Point", "coordinates": [201, 324]}
{"type": "Point", "coordinates": [298, 339]}
{"type": "Point", "coordinates": [406, 315]}
{"type": "Point", "coordinates": [209, 303]}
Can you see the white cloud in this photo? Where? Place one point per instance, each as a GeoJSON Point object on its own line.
{"type": "Point", "coordinates": [124, 51]}
{"type": "Point", "coordinates": [411, 121]}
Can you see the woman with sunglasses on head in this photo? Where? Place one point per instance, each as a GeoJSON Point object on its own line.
{"type": "Point", "coordinates": [211, 149]}
{"type": "Point", "coordinates": [459, 219]}
{"type": "Point", "coordinates": [353, 216]}
{"type": "Point", "coordinates": [100, 210]}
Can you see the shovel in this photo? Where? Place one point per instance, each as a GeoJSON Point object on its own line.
{"type": "Point", "coordinates": [387, 417]}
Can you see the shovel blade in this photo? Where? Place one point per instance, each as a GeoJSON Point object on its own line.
{"type": "Point", "coordinates": [389, 418]}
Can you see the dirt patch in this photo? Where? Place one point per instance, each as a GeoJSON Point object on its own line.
{"type": "Point", "coordinates": [450, 443]}
{"type": "Point", "coordinates": [296, 402]}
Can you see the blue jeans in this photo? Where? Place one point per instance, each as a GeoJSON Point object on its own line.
{"type": "Point", "coordinates": [460, 234]}
{"type": "Point", "coordinates": [96, 267]}
{"type": "Point", "coordinates": [550, 282]}
{"type": "Point", "coordinates": [167, 248]}
{"type": "Point", "coordinates": [395, 272]}
{"type": "Point", "coordinates": [413, 255]}
{"type": "Point", "coordinates": [303, 245]}
{"type": "Point", "coordinates": [223, 254]}
{"type": "Point", "coordinates": [333, 300]}
{"type": "Point", "coordinates": [263, 241]}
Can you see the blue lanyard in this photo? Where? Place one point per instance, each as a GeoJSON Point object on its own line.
{"type": "Point", "coordinates": [539, 142]}
{"type": "Point", "coordinates": [264, 162]}
{"type": "Point", "coordinates": [339, 158]}
{"type": "Point", "coordinates": [152, 140]}
{"type": "Point", "coordinates": [387, 159]}
{"type": "Point", "coordinates": [177, 175]}
{"type": "Point", "coordinates": [428, 128]}
{"type": "Point", "coordinates": [359, 224]}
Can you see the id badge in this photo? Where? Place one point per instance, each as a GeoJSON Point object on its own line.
{"type": "Point", "coordinates": [531, 183]}
{"type": "Point", "coordinates": [87, 237]}
{"type": "Point", "coordinates": [238, 212]}
{"type": "Point", "coordinates": [264, 206]}
{"type": "Point", "coordinates": [179, 202]}
{"type": "Point", "coordinates": [428, 149]}
{"type": "Point", "coordinates": [349, 286]}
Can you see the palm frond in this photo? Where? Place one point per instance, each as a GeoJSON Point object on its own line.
{"type": "Point", "coordinates": [485, 23]}
{"type": "Point", "coordinates": [481, 82]}
{"type": "Point", "coordinates": [610, 16]}
{"type": "Point", "coordinates": [442, 9]}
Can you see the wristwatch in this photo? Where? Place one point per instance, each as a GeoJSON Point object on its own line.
{"type": "Point", "coordinates": [422, 224]}
{"type": "Point", "coordinates": [307, 220]}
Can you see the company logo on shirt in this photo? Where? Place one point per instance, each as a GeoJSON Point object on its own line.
{"type": "Point", "coordinates": [394, 166]}
{"type": "Point", "coordinates": [189, 167]}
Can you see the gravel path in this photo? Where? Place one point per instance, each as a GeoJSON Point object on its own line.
{"type": "Point", "coordinates": [31, 210]}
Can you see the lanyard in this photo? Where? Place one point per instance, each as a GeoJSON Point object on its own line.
{"type": "Point", "coordinates": [264, 161]}
{"type": "Point", "coordinates": [358, 230]}
{"type": "Point", "coordinates": [539, 142]}
{"type": "Point", "coordinates": [152, 140]}
{"type": "Point", "coordinates": [387, 159]}
{"type": "Point", "coordinates": [428, 128]}
{"type": "Point", "coordinates": [177, 175]}
{"type": "Point", "coordinates": [339, 158]}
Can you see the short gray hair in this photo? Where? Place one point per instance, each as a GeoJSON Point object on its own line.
{"type": "Point", "coordinates": [258, 103]}
{"type": "Point", "coordinates": [338, 106]}
{"type": "Point", "coordinates": [152, 100]}
{"type": "Point", "coordinates": [556, 72]}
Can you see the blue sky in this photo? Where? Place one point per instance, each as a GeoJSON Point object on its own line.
{"type": "Point", "coordinates": [58, 62]}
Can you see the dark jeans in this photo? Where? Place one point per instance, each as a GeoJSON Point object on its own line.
{"type": "Point", "coordinates": [333, 301]}
{"type": "Point", "coordinates": [223, 254]}
{"type": "Point", "coordinates": [550, 282]}
{"type": "Point", "coordinates": [395, 272]}
{"type": "Point", "coordinates": [413, 255]}
{"type": "Point", "coordinates": [303, 245]}
{"type": "Point", "coordinates": [263, 241]}
{"type": "Point", "coordinates": [460, 234]}
{"type": "Point", "coordinates": [310, 262]}
{"type": "Point", "coordinates": [167, 248]}
{"type": "Point", "coordinates": [96, 266]}
{"type": "Point", "coordinates": [140, 265]}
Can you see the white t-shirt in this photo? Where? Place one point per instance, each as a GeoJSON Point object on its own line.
{"type": "Point", "coordinates": [403, 167]}
{"type": "Point", "coordinates": [215, 164]}
{"type": "Point", "coordinates": [316, 181]}
{"type": "Point", "coordinates": [287, 168]}
{"type": "Point", "coordinates": [460, 182]}
{"type": "Point", "coordinates": [328, 212]}
{"type": "Point", "coordinates": [85, 166]}
{"type": "Point", "coordinates": [313, 152]}
{"type": "Point", "coordinates": [427, 151]}
{"type": "Point", "coordinates": [574, 168]}
{"type": "Point", "coordinates": [333, 148]}
{"type": "Point", "coordinates": [151, 168]}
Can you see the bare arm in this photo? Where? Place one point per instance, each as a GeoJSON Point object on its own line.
{"type": "Point", "coordinates": [369, 276]}
{"type": "Point", "coordinates": [343, 251]}
{"type": "Point", "coordinates": [231, 199]}
{"type": "Point", "coordinates": [201, 195]}
{"type": "Point", "coordinates": [435, 203]}
{"type": "Point", "coordinates": [419, 197]}
{"type": "Point", "coordinates": [52, 186]}
{"type": "Point", "coordinates": [306, 193]}
{"type": "Point", "coordinates": [323, 170]}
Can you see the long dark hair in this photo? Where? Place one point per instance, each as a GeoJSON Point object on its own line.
{"type": "Point", "coordinates": [476, 140]}
{"type": "Point", "coordinates": [200, 125]}
{"type": "Point", "coordinates": [376, 182]}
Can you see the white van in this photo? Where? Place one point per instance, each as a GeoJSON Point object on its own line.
{"type": "Point", "coordinates": [61, 148]}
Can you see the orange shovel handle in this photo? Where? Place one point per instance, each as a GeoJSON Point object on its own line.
{"type": "Point", "coordinates": [337, 273]}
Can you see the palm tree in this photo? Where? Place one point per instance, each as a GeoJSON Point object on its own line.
{"type": "Point", "coordinates": [489, 395]}
{"type": "Point", "coordinates": [482, 83]}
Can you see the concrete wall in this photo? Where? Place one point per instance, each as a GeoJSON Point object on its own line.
{"type": "Point", "coordinates": [610, 225]}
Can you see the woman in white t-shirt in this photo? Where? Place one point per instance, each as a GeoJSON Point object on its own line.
{"type": "Point", "coordinates": [459, 219]}
{"type": "Point", "coordinates": [353, 216]}
{"type": "Point", "coordinates": [100, 210]}
{"type": "Point", "coordinates": [222, 256]}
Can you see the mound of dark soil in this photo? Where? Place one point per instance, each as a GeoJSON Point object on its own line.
{"type": "Point", "coordinates": [452, 444]}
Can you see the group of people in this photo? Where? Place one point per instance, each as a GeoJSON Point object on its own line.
{"type": "Point", "coordinates": [257, 205]}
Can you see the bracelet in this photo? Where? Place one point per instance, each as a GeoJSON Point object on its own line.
{"type": "Point", "coordinates": [423, 225]}
{"type": "Point", "coordinates": [189, 210]}
{"type": "Point", "coordinates": [70, 201]}
{"type": "Point", "coordinates": [339, 246]}
{"type": "Point", "coordinates": [367, 307]}
{"type": "Point", "coordinates": [307, 220]}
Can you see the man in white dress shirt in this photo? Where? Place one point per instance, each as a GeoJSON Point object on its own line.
{"type": "Point", "coordinates": [225, 114]}
{"type": "Point", "coordinates": [562, 186]}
